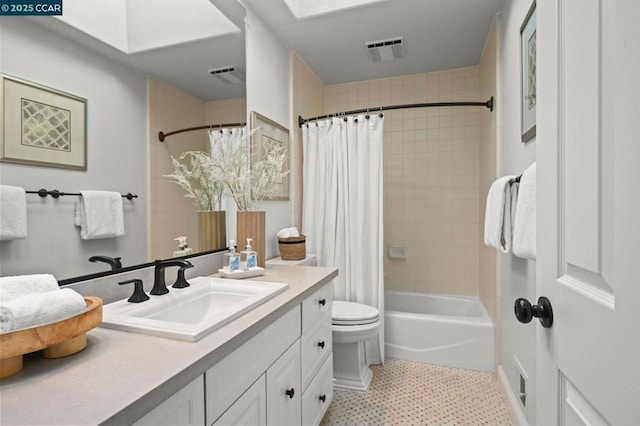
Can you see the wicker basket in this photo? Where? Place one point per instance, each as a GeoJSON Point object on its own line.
{"type": "Point", "coordinates": [292, 248]}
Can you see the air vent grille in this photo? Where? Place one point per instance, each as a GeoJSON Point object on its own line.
{"type": "Point", "coordinates": [228, 74]}
{"type": "Point", "coordinates": [385, 50]}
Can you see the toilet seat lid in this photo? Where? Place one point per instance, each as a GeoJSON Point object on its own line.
{"type": "Point", "coordinates": [350, 313]}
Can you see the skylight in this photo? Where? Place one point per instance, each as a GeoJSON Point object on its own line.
{"type": "Point", "coordinates": [309, 8]}
{"type": "Point", "coordinates": [138, 25]}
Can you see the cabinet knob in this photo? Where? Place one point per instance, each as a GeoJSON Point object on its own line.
{"type": "Point", "coordinates": [290, 392]}
{"type": "Point", "coordinates": [321, 345]}
{"type": "Point", "coordinates": [322, 301]}
{"type": "Point", "coordinates": [323, 398]}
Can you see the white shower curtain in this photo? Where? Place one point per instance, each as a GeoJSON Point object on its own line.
{"type": "Point", "coordinates": [342, 208]}
{"type": "Point", "coordinates": [226, 140]}
{"type": "Point", "coordinates": [223, 143]}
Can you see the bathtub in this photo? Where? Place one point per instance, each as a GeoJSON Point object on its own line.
{"type": "Point", "coordinates": [454, 331]}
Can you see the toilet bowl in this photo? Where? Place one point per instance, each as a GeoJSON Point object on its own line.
{"type": "Point", "coordinates": [353, 324]}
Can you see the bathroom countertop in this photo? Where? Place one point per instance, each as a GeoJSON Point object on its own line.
{"type": "Point", "coordinates": [121, 376]}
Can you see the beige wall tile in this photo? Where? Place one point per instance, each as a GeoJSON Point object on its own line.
{"type": "Point", "coordinates": [170, 213]}
{"type": "Point", "coordinates": [431, 166]}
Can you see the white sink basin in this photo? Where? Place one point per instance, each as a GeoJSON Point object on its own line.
{"type": "Point", "coordinates": [193, 312]}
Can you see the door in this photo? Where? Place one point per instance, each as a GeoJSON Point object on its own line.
{"type": "Point", "coordinates": [588, 153]}
{"type": "Point", "coordinates": [249, 409]}
{"type": "Point", "coordinates": [284, 392]}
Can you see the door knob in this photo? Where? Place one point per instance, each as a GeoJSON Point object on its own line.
{"type": "Point", "coordinates": [525, 312]}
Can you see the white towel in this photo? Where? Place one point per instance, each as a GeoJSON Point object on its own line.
{"type": "Point", "coordinates": [288, 232]}
{"type": "Point", "coordinates": [13, 213]}
{"type": "Point", "coordinates": [524, 226]}
{"type": "Point", "coordinates": [21, 285]}
{"type": "Point", "coordinates": [99, 214]}
{"type": "Point", "coordinates": [40, 309]}
{"type": "Point", "coordinates": [498, 219]}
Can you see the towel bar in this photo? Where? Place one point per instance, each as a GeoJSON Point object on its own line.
{"type": "Point", "coordinates": [56, 194]}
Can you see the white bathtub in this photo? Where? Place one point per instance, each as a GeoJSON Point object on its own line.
{"type": "Point", "coordinates": [453, 331]}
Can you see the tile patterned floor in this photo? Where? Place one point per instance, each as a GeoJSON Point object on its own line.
{"type": "Point", "coordinates": [411, 393]}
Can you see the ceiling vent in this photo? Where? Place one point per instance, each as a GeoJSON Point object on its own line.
{"type": "Point", "coordinates": [385, 50]}
{"type": "Point", "coordinates": [228, 75]}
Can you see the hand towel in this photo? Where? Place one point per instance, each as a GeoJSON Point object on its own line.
{"type": "Point", "coordinates": [21, 285]}
{"type": "Point", "coordinates": [499, 214]}
{"type": "Point", "coordinates": [99, 214]}
{"type": "Point", "coordinates": [39, 309]}
{"type": "Point", "coordinates": [13, 213]}
{"type": "Point", "coordinates": [524, 226]}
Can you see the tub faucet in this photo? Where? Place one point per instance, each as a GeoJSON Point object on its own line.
{"type": "Point", "coordinates": [159, 285]}
{"type": "Point", "coordinates": [114, 262]}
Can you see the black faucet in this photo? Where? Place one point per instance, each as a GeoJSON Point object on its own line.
{"type": "Point", "coordinates": [114, 262]}
{"type": "Point", "coordinates": [159, 286]}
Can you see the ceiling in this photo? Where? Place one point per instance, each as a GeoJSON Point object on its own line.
{"type": "Point", "coordinates": [329, 35]}
{"type": "Point", "coordinates": [438, 34]}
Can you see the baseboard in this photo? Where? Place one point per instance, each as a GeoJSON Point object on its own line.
{"type": "Point", "coordinates": [515, 411]}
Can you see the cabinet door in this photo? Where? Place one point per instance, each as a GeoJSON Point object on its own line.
{"type": "Point", "coordinates": [185, 407]}
{"type": "Point", "coordinates": [284, 389]}
{"type": "Point", "coordinates": [318, 396]}
{"type": "Point", "coordinates": [250, 408]}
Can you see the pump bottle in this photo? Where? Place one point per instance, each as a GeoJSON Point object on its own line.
{"type": "Point", "coordinates": [250, 256]}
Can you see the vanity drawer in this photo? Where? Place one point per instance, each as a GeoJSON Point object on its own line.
{"type": "Point", "coordinates": [230, 377]}
{"type": "Point", "coordinates": [318, 397]}
{"type": "Point", "coordinates": [317, 344]}
{"type": "Point", "coordinates": [317, 307]}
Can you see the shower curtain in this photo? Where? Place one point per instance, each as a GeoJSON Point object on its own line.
{"type": "Point", "coordinates": [342, 208]}
{"type": "Point", "coordinates": [224, 141]}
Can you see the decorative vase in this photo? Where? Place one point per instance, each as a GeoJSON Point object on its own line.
{"type": "Point", "coordinates": [251, 225]}
{"type": "Point", "coordinates": [212, 230]}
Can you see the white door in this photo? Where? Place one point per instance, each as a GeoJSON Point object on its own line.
{"type": "Point", "coordinates": [284, 392]}
{"type": "Point", "coordinates": [588, 153]}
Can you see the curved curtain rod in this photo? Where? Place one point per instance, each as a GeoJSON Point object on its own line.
{"type": "Point", "coordinates": [162, 135]}
{"type": "Point", "coordinates": [487, 104]}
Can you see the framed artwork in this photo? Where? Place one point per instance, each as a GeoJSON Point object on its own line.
{"type": "Point", "coordinates": [528, 76]}
{"type": "Point", "coordinates": [270, 137]}
{"type": "Point", "coordinates": [42, 126]}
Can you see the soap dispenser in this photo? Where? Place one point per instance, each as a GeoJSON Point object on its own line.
{"type": "Point", "coordinates": [232, 258]}
{"type": "Point", "coordinates": [250, 256]}
{"type": "Point", "coordinates": [182, 246]}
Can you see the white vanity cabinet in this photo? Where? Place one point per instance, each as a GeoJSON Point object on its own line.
{"type": "Point", "coordinates": [230, 378]}
{"type": "Point", "coordinates": [185, 407]}
{"type": "Point", "coordinates": [281, 376]}
{"type": "Point", "coordinates": [283, 389]}
{"type": "Point", "coordinates": [316, 359]}
{"type": "Point", "coordinates": [250, 408]}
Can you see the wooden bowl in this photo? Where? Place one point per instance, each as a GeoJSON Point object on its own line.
{"type": "Point", "coordinates": [58, 339]}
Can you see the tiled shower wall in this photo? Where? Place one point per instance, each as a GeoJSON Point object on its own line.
{"type": "Point", "coordinates": [431, 177]}
{"type": "Point", "coordinates": [170, 213]}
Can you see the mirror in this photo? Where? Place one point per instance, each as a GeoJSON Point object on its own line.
{"type": "Point", "coordinates": [137, 83]}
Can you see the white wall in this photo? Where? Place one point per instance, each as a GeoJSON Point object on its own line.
{"type": "Point", "coordinates": [116, 149]}
{"type": "Point", "coordinates": [268, 94]}
{"type": "Point", "coordinates": [516, 276]}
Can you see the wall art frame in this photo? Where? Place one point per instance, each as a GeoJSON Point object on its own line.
{"type": "Point", "coordinates": [528, 74]}
{"type": "Point", "coordinates": [42, 126]}
{"type": "Point", "coordinates": [268, 132]}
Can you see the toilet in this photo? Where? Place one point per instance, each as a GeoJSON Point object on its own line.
{"type": "Point", "coordinates": [353, 324]}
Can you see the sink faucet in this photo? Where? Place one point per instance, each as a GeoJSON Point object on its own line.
{"type": "Point", "coordinates": [114, 262]}
{"type": "Point", "coordinates": [159, 286]}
